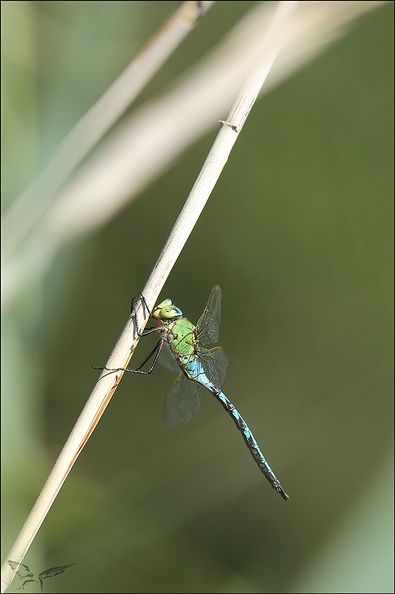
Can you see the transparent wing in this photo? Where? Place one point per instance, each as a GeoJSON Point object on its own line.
{"type": "Point", "coordinates": [215, 364]}
{"type": "Point", "coordinates": [182, 401]}
{"type": "Point", "coordinates": [167, 360]}
{"type": "Point", "coordinates": [209, 321]}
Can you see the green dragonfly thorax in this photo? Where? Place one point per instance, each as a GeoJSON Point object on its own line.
{"type": "Point", "coordinates": [179, 332]}
{"type": "Point", "coordinates": [181, 337]}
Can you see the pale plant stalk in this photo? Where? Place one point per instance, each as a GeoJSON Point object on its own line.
{"type": "Point", "coordinates": [127, 342]}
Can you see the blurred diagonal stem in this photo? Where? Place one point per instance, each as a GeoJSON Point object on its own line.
{"type": "Point", "coordinates": [88, 131]}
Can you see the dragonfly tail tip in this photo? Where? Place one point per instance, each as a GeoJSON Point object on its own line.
{"type": "Point", "coordinates": [283, 494]}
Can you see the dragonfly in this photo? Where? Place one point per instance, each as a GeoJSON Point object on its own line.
{"type": "Point", "coordinates": [182, 347]}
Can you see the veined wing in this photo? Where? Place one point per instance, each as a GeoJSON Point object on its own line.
{"type": "Point", "coordinates": [215, 364]}
{"type": "Point", "coordinates": [167, 359]}
{"type": "Point", "coordinates": [209, 321]}
{"type": "Point", "coordinates": [182, 401]}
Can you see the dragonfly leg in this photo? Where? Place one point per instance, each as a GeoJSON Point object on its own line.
{"type": "Point", "coordinates": [155, 351]}
{"type": "Point", "coordinates": [147, 330]}
{"type": "Point", "coordinates": [133, 315]}
{"type": "Point", "coordinates": [142, 299]}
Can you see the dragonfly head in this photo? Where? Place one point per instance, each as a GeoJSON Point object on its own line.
{"type": "Point", "coordinates": [166, 311]}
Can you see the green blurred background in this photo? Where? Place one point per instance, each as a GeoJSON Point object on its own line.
{"type": "Point", "coordinates": [298, 233]}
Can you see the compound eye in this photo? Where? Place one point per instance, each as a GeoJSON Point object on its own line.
{"type": "Point", "coordinates": [170, 312]}
{"type": "Point", "coordinates": [166, 311]}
